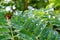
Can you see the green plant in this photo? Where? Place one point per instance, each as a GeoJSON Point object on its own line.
{"type": "Point", "coordinates": [30, 24]}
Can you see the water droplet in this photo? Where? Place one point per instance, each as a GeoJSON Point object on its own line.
{"type": "Point", "coordinates": [41, 28]}
{"type": "Point", "coordinates": [37, 24]}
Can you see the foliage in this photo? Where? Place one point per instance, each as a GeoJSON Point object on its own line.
{"type": "Point", "coordinates": [30, 20]}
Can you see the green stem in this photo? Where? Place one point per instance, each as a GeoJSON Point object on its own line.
{"type": "Point", "coordinates": [12, 33]}
{"type": "Point", "coordinates": [10, 25]}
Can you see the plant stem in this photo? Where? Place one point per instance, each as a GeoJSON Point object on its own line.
{"type": "Point", "coordinates": [12, 33]}
{"type": "Point", "coordinates": [10, 25]}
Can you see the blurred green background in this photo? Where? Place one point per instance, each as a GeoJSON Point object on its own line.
{"type": "Point", "coordinates": [29, 19]}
